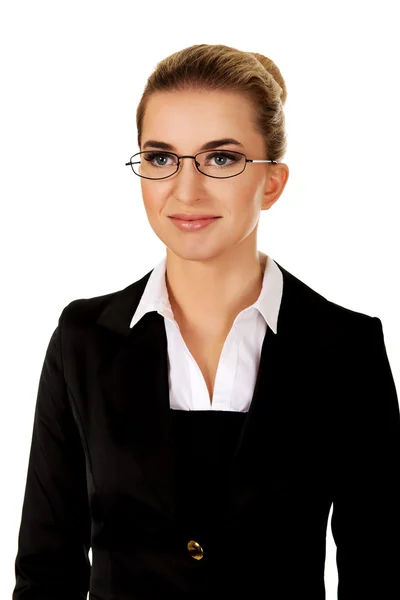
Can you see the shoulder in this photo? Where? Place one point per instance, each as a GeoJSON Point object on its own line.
{"type": "Point", "coordinates": [321, 315]}
{"type": "Point", "coordinates": [112, 310]}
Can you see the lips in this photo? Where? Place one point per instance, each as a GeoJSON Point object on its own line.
{"type": "Point", "coordinates": [183, 217]}
{"type": "Point", "coordinates": [193, 225]}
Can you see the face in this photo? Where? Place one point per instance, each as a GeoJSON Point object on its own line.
{"type": "Point", "coordinates": [187, 120]}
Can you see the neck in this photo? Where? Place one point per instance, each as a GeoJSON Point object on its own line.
{"type": "Point", "coordinates": [208, 295]}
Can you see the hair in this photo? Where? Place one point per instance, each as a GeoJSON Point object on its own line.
{"type": "Point", "coordinates": [209, 67]}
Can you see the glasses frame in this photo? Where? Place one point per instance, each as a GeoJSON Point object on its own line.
{"type": "Point", "coordinates": [222, 150]}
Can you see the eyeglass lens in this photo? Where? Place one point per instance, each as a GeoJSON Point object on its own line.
{"type": "Point", "coordinates": [158, 165]}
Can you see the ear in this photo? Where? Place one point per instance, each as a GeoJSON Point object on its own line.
{"type": "Point", "coordinates": [276, 181]}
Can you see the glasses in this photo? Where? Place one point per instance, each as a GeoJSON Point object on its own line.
{"type": "Point", "coordinates": [220, 164]}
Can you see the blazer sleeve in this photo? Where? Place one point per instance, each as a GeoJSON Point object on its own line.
{"type": "Point", "coordinates": [365, 520]}
{"type": "Point", "coordinates": [54, 537]}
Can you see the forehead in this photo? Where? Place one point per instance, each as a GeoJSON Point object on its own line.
{"type": "Point", "coordinates": [191, 115]}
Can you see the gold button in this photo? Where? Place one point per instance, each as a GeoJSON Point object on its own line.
{"type": "Point", "coordinates": [195, 550]}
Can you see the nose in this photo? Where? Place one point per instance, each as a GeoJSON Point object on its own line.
{"type": "Point", "coordinates": [193, 162]}
{"type": "Point", "coordinates": [187, 174]}
{"type": "Point", "coordinates": [188, 180]}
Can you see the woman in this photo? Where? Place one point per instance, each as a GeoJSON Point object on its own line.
{"type": "Point", "coordinates": [195, 428]}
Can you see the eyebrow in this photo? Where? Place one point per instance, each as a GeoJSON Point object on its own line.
{"type": "Point", "coordinates": [206, 146]}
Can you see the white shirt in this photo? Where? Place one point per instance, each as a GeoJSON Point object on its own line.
{"type": "Point", "coordinates": [238, 365]}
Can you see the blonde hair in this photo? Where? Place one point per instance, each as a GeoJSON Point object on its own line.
{"type": "Point", "coordinates": [218, 67]}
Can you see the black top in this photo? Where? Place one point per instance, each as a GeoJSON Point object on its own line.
{"type": "Point", "coordinates": [205, 441]}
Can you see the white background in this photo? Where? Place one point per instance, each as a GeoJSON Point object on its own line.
{"type": "Point", "coordinates": [73, 223]}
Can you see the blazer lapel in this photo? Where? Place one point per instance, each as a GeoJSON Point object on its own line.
{"type": "Point", "coordinates": [279, 367]}
{"type": "Point", "coordinates": [282, 429]}
{"type": "Point", "coordinates": [134, 380]}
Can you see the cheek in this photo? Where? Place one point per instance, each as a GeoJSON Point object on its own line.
{"type": "Point", "coordinates": [153, 198]}
{"type": "Point", "coordinates": [245, 197]}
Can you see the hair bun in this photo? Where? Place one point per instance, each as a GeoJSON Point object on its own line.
{"type": "Point", "coordinates": [273, 70]}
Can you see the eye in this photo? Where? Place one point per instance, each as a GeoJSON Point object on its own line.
{"type": "Point", "coordinates": [224, 155]}
{"type": "Point", "coordinates": [163, 156]}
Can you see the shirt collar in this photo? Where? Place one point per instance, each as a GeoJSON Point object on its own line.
{"type": "Point", "coordinates": [155, 295]}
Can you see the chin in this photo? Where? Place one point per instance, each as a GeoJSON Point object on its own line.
{"type": "Point", "coordinates": [195, 252]}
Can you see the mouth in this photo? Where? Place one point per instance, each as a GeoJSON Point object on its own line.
{"type": "Point", "coordinates": [194, 217]}
{"type": "Point", "coordinates": [193, 224]}
{"type": "Point", "coordinates": [191, 220]}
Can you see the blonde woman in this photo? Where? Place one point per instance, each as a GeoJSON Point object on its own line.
{"type": "Point", "coordinates": [195, 428]}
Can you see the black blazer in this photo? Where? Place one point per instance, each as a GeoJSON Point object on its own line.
{"type": "Point", "coordinates": [323, 428]}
